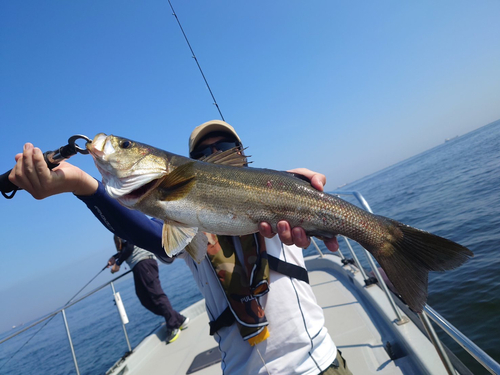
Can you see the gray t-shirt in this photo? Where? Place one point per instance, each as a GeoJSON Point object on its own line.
{"type": "Point", "coordinates": [137, 255]}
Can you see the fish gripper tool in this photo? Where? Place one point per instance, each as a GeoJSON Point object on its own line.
{"type": "Point", "coordinates": [52, 158]}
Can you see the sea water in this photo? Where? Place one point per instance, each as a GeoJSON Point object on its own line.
{"type": "Point", "coordinates": [96, 329]}
{"type": "Point", "coordinates": [452, 190]}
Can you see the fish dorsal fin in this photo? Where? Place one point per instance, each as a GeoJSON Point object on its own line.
{"type": "Point", "coordinates": [178, 183]}
{"type": "Point", "coordinates": [233, 157]}
{"type": "Point", "coordinates": [175, 238]}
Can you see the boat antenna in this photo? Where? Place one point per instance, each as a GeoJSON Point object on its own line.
{"type": "Point", "coordinates": [195, 59]}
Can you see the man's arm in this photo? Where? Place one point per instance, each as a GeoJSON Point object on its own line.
{"type": "Point", "coordinates": [126, 251]}
{"type": "Point", "coordinates": [130, 225]}
{"type": "Point", "coordinates": [32, 174]}
{"type": "Point", "coordinates": [112, 263]}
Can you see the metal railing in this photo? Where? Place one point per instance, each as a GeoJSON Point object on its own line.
{"type": "Point", "coordinates": [476, 352]}
{"type": "Point", "coordinates": [63, 313]}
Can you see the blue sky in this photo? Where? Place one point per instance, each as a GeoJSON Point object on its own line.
{"type": "Point", "coordinates": [342, 87]}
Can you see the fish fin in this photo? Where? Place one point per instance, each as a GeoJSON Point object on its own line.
{"type": "Point", "coordinates": [175, 238]}
{"type": "Point", "coordinates": [409, 255]}
{"type": "Point", "coordinates": [212, 238]}
{"type": "Point", "coordinates": [178, 183]}
{"type": "Point", "coordinates": [234, 157]}
{"type": "Point", "coordinates": [197, 248]}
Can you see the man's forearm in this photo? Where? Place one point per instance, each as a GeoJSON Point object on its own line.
{"type": "Point", "coordinates": [128, 224]}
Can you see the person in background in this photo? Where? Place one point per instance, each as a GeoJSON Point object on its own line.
{"type": "Point", "coordinates": [291, 339]}
{"type": "Point", "coordinates": [147, 284]}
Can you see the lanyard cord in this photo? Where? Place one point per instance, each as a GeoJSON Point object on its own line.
{"type": "Point", "coordinates": [264, 362]}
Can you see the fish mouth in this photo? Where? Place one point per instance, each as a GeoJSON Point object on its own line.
{"type": "Point", "coordinates": [135, 196]}
{"type": "Point", "coordinates": [97, 147]}
{"type": "Point", "coordinates": [129, 190]}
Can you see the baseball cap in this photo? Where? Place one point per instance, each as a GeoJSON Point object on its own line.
{"type": "Point", "coordinates": [210, 127]}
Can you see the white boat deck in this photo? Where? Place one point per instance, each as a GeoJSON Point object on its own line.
{"type": "Point", "coordinates": [359, 327]}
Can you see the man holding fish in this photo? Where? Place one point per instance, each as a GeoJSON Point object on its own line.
{"type": "Point", "coordinates": [274, 326]}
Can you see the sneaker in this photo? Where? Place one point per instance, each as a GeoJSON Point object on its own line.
{"type": "Point", "coordinates": [185, 323]}
{"type": "Point", "coordinates": [172, 335]}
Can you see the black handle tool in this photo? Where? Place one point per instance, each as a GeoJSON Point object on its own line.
{"type": "Point", "coordinates": [52, 158]}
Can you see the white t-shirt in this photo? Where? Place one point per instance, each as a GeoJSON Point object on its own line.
{"type": "Point", "coordinates": [298, 342]}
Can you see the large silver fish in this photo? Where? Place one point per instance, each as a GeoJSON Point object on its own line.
{"type": "Point", "coordinates": [220, 196]}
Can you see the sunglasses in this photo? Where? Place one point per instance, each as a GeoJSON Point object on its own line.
{"type": "Point", "coordinates": [207, 150]}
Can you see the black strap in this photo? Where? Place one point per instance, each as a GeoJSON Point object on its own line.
{"type": "Point", "coordinates": [288, 269]}
{"type": "Point", "coordinates": [226, 319]}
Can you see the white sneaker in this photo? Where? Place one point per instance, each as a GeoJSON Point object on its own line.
{"type": "Point", "coordinates": [185, 323]}
{"type": "Point", "coordinates": [172, 335]}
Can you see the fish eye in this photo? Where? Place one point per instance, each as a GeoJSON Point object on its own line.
{"type": "Point", "coordinates": [125, 144]}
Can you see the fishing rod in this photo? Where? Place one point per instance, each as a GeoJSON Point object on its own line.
{"type": "Point", "coordinates": [196, 60]}
{"type": "Point", "coordinates": [77, 293]}
{"type": "Point", "coordinates": [52, 317]}
{"type": "Point", "coordinates": [52, 158]}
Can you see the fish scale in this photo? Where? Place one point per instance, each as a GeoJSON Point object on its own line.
{"type": "Point", "coordinates": [193, 196]}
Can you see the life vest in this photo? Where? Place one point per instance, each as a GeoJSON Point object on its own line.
{"type": "Point", "coordinates": [242, 266]}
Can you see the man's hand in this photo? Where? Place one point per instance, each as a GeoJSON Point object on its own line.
{"type": "Point", "coordinates": [32, 174]}
{"type": "Point", "coordinates": [115, 268]}
{"type": "Point", "coordinates": [318, 180]}
{"type": "Point", "coordinates": [297, 236]}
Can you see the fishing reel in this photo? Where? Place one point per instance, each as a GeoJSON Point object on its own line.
{"type": "Point", "coordinates": [52, 158]}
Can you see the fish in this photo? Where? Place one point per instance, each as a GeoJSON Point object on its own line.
{"type": "Point", "coordinates": [221, 195]}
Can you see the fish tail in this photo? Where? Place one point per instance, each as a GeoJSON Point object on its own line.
{"type": "Point", "coordinates": [409, 254]}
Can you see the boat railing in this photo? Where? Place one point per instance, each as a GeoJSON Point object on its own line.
{"type": "Point", "coordinates": [475, 351]}
{"type": "Point", "coordinates": [63, 309]}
